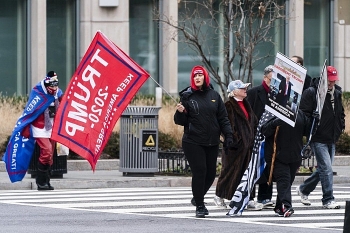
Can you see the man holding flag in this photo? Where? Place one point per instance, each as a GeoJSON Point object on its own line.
{"type": "Point", "coordinates": [100, 89]}
{"type": "Point", "coordinates": [35, 125]}
{"type": "Point", "coordinates": [331, 125]}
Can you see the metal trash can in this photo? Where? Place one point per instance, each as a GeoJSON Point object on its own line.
{"type": "Point", "coordinates": [138, 151]}
{"type": "Point", "coordinates": [58, 168]}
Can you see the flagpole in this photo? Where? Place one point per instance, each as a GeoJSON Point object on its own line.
{"type": "Point", "coordinates": [176, 102]}
{"type": "Point", "coordinates": [308, 142]}
{"type": "Point", "coordinates": [320, 97]}
{"type": "Point", "coordinates": [273, 156]}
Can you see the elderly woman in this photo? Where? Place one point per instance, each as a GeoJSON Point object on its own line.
{"type": "Point", "coordinates": [235, 160]}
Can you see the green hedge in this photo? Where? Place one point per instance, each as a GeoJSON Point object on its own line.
{"type": "Point", "coordinates": [346, 98]}
{"type": "Point", "coordinates": [343, 144]}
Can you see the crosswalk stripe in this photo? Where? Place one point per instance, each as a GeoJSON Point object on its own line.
{"type": "Point", "coordinates": [175, 203]}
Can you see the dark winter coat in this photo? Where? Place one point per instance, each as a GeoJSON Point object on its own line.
{"type": "Point", "coordinates": [236, 161]}
{"type": "Point", "coordinates": [289, 140]}
{"type": "Point", "coordinates": [257, 98]}
{"type": "Point", "coordinates": [205, 117]}
{"type": "Point", "coordinates": [307, 82]}
{"type": "Point", "coordinates": [332, 123]}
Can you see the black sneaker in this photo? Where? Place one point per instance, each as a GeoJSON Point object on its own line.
{"type": "Point", "coordinates": [287, 211]}
{"type": "Point", "coordinates": [193, 202]}
{"type": "Point", "coordinates": [278, 212]}
{"type": "Point", "coordinates": [200, 211]}
{"type": "Point", "coordinates": [206, 211]}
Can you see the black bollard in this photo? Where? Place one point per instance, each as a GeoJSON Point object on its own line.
{"type": "Point", "coordinates": [346, 228]}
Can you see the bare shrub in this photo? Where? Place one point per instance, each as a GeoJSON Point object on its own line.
{"type": "Point", "coordinates": [166, 122]}
{"type": "Point", "coordinates": [11, 109]}
{"type": "Point", "coordinates": [347, 118]}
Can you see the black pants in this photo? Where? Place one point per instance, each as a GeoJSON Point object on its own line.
{"type": "Point", "coordinates": [284, 175]}
{"type": "Point", "coordinates": [202, 161]}
{"type": "Point", "coordinates": [264, 192]}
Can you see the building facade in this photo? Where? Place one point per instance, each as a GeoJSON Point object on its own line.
{"type": "Point", "coordinates": [41, 35]}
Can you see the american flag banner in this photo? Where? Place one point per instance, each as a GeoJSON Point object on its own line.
{"type": "Point", "coordinates": [252, 174]}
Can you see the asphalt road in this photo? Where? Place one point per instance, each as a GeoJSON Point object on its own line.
{"type": "Point", "coordinates": [29, 219]}
{"type": "Point", "coordinates": [156, 209]}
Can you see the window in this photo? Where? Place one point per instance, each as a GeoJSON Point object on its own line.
{"type": "Point", "coordinates": [144, 40]}
{"type": "Point", "coordinates": [213, 41]}
{"type": "Point", "coordinates": [187, 56]}
{"type": "Point", "coordinates": [13, 47]}
{"type": "Point", "coordinates": [61, 39]}
{"type": "Point", "coordinates": [316, 35]}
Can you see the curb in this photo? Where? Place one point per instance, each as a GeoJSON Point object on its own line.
{"type": "Point", "coordinates": [107, 175]}
{"type": "Point", "coordinates": [113, 164]}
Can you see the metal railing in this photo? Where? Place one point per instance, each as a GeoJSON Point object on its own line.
{"type": "Point", "coordinates": [175, 163]}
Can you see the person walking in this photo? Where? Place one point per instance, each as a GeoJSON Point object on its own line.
{"type": "Point", "coordinates": [202, 113]}
{"type": "Point", "coordinates": [285, 143]}
{"type": "Point", "coordinates": [331, 125]}
{"type": "Point", "coordinates": [235, 161]}
{"type": "Point", "coordinates": [41, 128]}
{"type": "Point", "coordinates": [257, 98]}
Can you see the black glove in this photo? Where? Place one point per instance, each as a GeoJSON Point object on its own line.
{"type": "Point", "coordinates": [276, 122]}
{"type": "Point", "coordinates": [316, 116]}
{"type": "Point", "coordinates": [314, 129]}
{"type": "Point", "coordinates": [235, 145]}
{"type": "Point", "coordinates": [230, 144]}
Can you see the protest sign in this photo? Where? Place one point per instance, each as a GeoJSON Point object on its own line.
{"type": "Point", "coordinates": [285, 89]}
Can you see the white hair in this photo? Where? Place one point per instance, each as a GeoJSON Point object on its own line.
{"type": "Point", "coordinates": [231, 94]}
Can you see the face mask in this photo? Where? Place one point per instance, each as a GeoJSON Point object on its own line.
{"type": "Point", "coordinates": [51, 90]}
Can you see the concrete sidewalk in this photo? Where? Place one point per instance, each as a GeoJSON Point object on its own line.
{"type": "Point", "coordinates": [107, 175]}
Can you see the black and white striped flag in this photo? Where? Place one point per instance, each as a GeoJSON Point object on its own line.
{"type": "Point", "coordinates": [251, 175]}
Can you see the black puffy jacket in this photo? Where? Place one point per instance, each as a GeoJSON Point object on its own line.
{"type": "Point", "coordinates": [205, 117]}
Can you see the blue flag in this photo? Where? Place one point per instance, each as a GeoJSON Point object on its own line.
{"type": "Point", "coordinates": [19, 150]}
{"type": "Point", "coordinates": [254, 171]}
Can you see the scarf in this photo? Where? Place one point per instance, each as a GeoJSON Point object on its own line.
{"type": "Point", "coordinates": [241, 105]}
{"type": "Point", "coordinates": [265, 86]}
{"type": "Point", "coordinates": [331, 92]}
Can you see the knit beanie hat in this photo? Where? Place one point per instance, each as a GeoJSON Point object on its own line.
{"type": "Point", "coordinates": [51, 79]}
{"type": "Point", "coordinates": [199, 70]}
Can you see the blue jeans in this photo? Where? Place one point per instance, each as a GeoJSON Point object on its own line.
{"type": "Point", "coordinates": [324, 156]}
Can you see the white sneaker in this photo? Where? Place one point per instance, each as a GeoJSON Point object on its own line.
{"type": "Point", "coordinates": [303, 197]}
{"type": "Point", "coordinates": [219, 202]}
{"type": "Point", "coordinates": [267, 203]}
{"type": "Point", "coordinates": [252, 205]}
{"type": "Point", "coordinates": [331, 205]}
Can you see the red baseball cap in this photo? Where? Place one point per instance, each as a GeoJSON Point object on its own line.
{"type": "Point", "coordinates": [332, 73]}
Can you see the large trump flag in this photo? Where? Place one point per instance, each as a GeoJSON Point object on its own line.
{"type": "Point", "coordinates": [101, 88]}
